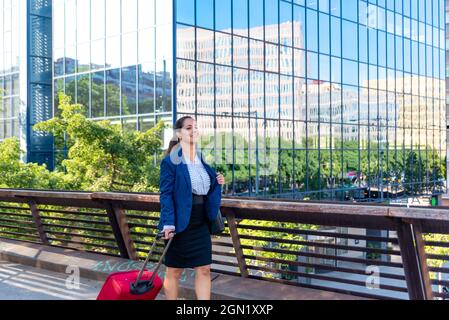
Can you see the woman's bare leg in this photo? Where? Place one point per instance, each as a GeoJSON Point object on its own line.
{"type": "Point", "coordinates": [171, 283]}
{"type": "Point", "coordinates": [202, 282]}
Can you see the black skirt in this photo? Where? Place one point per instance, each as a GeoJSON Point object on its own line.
{"type": "Point", "coordinates": [192, 247]}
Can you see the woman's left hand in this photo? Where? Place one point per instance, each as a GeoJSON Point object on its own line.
{"type": "Point", "coordinates": [220, 178]}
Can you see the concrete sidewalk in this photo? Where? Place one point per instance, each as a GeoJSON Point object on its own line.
{"type": "Point", "coordinates": [19, 282]}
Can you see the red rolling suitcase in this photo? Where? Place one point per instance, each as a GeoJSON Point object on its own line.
{"type": "Point", "coordinates": [135, 284]}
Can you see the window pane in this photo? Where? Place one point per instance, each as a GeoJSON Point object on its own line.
{"type": "Point", "coordinates": [58, 25]}
{"type": "Point", "coordinates": [204, 13]}
{"type": "Point", "coordinates": [256, 19]}
{"type": "Point", "coordinates": [98, 19]}
{"type": "Point", "coordinates": [335, 37]}
{"type": "Point", "coordinates": [224, 90]}
{"type": "Point", "coordinates": [350, 72]}
{"type": "Point", "coordinates": [147, 13]}
{"type": "Point", "coordinates": [113, 92]}
{"type": "Point", "coordinates": [129, 15]}
{"type": "Point", "coordinates": [146, 45]}
{"type": "Point", "coordinates": [299, 24]}
{"type": "Point", "coordinates": [70, 60]}
{"type": "Point", "coordinates": [205, 88]}
{"type": "Point", "coordinates": [240, 92]}
{"type": "Point", "coordinates": [299, 63]}
{"type": "Point", "coordinates": [312, 65]}
{"type": "Point", "coordinates": [70, 23]}
{"type": "Point", "coordinates": [186, 86]}
{"type": "Point", "coordinates": [58, 87]}
{"type": "Point", "coordinates": [350, 44]}
{"type": "Point", "coordinates": [205, 41]}
{"type": "Point", "coordinates": [58, 63]}
{"type": "Point", "coordinates": [84, 57]}
{"type": "Point", "coordinates": [324, 68]}
{"type": "Point", "coordinates": [83, 22]}
{"type": "Point", "coordinates": [223, 46]}
{"type": "Point", "coordinates": [129, 90]}
{"type": "Point", "coordinates": [312, 30]}
{"type": "Point", "coordinates": [113, 52]}
{"type": "Point", "coordinates": [70, 88]}
{"type": "Point", "coordinates": [129, 49]}
{"type": "Point", "coordinates": [256, 54]}
{"type": "Point", "coordinates": [240, 17]}
{"type": "Point", "coordinates": [98, 94]}
{"type": "Point", "coordinates": [98, 52]}
{"type": "Point", "coordinates": [272, 95]}
{"type": "Point", "coordinates": [223, 15]}
{"type": "Point", "coordinates": [163, 88]}
{"type": "Point", "coordinates": [83, 91]}
{"type": "Point", "coordinates": [146, 88]}
{"type": "Point", "coordinates": [335, 7]}
{"type": "Point", "coordinates": [271, 57]}
{"type": "Point", "coordinates": [185, 11]}
{"type": "Point", "coordinates": [349, 9]}
{"type": "Point", "coordinates": [324, 33]}
{"type": "Point", "coordinates": [164, 46]}
{"type": "Point", "coordinates": [240, 52]}
{"type": "Point", "coordinates": [113, 17]}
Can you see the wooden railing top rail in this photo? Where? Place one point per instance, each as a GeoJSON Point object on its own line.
{"type": "Point", "coordinates": [237, 204]}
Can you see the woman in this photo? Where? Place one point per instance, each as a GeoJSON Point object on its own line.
{"type": "Point", "coordinates": [190, 198]}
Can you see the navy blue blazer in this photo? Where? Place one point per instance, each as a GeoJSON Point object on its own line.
{"type": "Point", "coordinates": [176, 191]}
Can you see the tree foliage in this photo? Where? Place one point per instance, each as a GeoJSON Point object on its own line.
{"type": "Point", "coordinates": [16, 174]}
{"type": "Point", "coordinates": [100, 155]}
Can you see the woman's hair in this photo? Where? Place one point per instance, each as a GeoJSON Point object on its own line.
{"type": "Point", "coordinates": [175, 140]}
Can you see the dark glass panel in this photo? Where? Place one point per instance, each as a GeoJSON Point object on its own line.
{"type": "Point", "coordinates": [97, 94]}
{"type": "Point", "coordinates": [83, 88]}
{"type": "Point", "coordinates": [146, 88]}
{"type": "Point", "coordinates": [129, 90]}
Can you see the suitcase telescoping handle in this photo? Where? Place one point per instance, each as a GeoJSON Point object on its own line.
{"type": "Point", "coordinates": [140, 287]}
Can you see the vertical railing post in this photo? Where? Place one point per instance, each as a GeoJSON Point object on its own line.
{"type": "Point", "coordinates": [230, 217]}
{"type": "Point", "coordinates": [422, 260]}
{"type": "Point", "coordinates": [38, 222]}
{"type": "Point", "coordinates": [120, 215]}
{"type": "Point", "coordinates": [120, 229]}
{"type": "Point", "coordinates": [413, 260]}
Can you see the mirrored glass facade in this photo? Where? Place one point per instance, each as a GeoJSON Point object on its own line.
{"type": "Point", "coordinates": [115, 57]}
{"type": "Point", "coordinates": [311, 99]}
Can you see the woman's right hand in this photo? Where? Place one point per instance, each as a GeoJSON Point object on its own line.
{"type": "Point", "coordinates": [169, 233]}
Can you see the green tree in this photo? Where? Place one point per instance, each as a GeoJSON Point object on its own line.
{"type": "Point", "coordinates": [102, 156]}
{"type": "Point", "coordinates": [18, 175]}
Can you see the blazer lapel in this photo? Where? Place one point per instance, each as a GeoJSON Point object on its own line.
{"type": "Point", "coordinates": [185, 171]}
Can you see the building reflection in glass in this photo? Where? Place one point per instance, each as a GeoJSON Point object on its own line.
{"type": "Point", "coordinates": [345, 99]}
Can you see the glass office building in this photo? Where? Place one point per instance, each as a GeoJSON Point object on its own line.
{"type": "Point", "coordinates": [317, 99]}
{"type": "Point", "coordinates": [115, 58]}
{"type": "Point", "coordinates": [304, 99]}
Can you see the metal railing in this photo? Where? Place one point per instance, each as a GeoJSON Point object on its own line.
{"type": "Point", "coordinates": [373, 251]}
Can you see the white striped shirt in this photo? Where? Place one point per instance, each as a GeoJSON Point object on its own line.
{"type": "Point", "coordinates": [198, 176]}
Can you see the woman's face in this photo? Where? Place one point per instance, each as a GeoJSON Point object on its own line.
{"type": "Point", "coordinates": [189, 132]}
